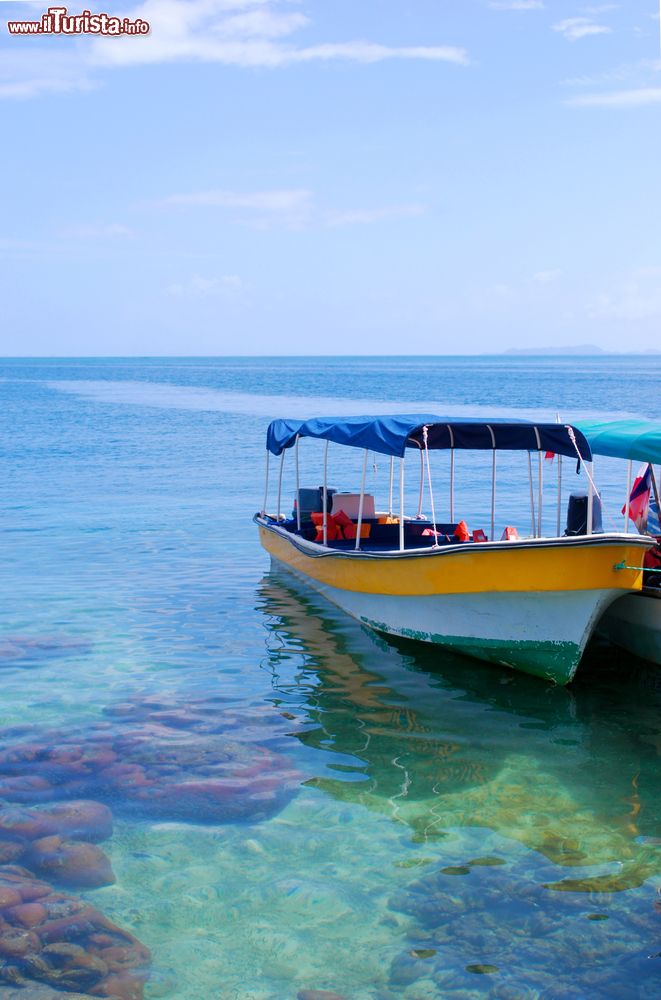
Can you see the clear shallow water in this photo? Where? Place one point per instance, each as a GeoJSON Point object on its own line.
{"type": "Point", "coordinates": [434, 827]}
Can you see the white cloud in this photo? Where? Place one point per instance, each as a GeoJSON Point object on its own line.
{"type": "Point", "coordinates": [546, 277]}
{"type": "Point", "coordinates": [573, 28]}
{"type": "Point", "coordinates": [370, 52]}
{"type": "Point", "coordinates": [602, 8]}
{"type": "Point", "coordinates": [503, 293]}
{"type": "Point", "coordinates": [621, 99]}
{"type": "Point", "coordinates": [630, 76]}
{"type": "Point", "coordinates": [619, 74]}
{"type": "Point", "coordinates": [367, 216]}
{"type": "Point", "coordinates": [635, 297]}
{"type": "Point", "coordinates": [112, 230]}
{"type": "Point", "coordinates": [35, 87]}
{"type": "Point", "coordinates": [197, 286]}
{"type": "Point", "coordinates": [269, 201]}
{"type": "Point", "coordinates": [262, 23]}
{"type": "Point", "coordinates": [292, 208]}
{"type": "Point", "coordinates": [241, 33]}
{"type": "Point", "coordinates": [10, 244]}
{"type": "Point", "coordinates": [517, 4]}
{"type": "Point", "coordinates": [29, 73]}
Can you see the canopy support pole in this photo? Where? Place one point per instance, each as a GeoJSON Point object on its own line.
{"type": "Point", "coordinates": [493, 496]}
{"type": "Point", "coordinates": [558, 523]}
{"type": "Point", "coordinates": [392, 472]}
{"type": "Point", "coordinates": [325, 498]}
{"type": "Point", "coordinates": [422, 485]}
{"type": "Point", "coordinates": [298, 489]}
{"type": "Point", "coordinates": [493, 484]}
{"type": "Point", "coordinates": [589, 466]}
{"type": "Point", "coordinates": [452, 485]}
{"type": "Point", "coordinates": [282, 463]}
{"type": "Point", "coordinates": [532, 496]}
{"type": "Point", "coordinates": [451, 436]}
{"type": "Point", "coordinates": [431, 491]}
{"type": "Point", "coordinates": [266, 484]}
{"type": "Point", "coordinates": [401, 505]}
{"type": "Point", "coordinates": [540, 492]}
{"type": "Point", "coordinates": [361, 502]}
{"type": "Point", "coordinates": [628, 500]}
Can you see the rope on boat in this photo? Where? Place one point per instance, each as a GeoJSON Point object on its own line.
{"type": "Point", "coordinates": [643, 569]}
{"type": "Point", "coordinates": [586, 466]}
{"type": "Point", "coordinates": [431, 491]}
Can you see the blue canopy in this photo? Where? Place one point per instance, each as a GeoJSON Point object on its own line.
{"type": "Point", "coordinates": [636, 439]}
{"type": "Point", "coordinates": [392, 435]}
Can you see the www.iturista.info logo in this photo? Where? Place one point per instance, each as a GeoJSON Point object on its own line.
{"type": "Point", "coordinates": [58, 21]}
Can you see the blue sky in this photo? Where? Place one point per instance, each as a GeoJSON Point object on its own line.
{"type": "Point", "coordinates": [372, 177]}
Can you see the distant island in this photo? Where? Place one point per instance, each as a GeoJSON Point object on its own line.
{"type": "Point", "coordinates": [583, 350]}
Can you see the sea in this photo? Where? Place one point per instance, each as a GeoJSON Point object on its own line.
{"type": "Point", "coordinates": [301, 807]}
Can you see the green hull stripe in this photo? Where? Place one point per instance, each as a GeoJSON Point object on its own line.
{"type": "Point", "coordinates": [555, 661]}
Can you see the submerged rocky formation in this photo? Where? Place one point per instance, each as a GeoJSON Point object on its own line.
{"type": "Point", "coordinates": [479, 924]}
{"type": "Point", "coordinates": [27, 650]}
{"type": "Point", "coordinates": [64, 942]}
{"type": "Point", "coordinates": [59, 842]}
{"type": "Point", "coordinates": [205, 763]}
{"type": "Point", "coordinates": [151, 759]}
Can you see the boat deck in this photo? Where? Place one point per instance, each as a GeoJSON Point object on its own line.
{"type": "Point", "coordinates": [379, 537]}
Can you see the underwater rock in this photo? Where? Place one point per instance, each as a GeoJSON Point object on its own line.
{"type": "Point", "coordinates": [212, 801]}
{"type": "Point", "coordinates": [28, 914]}
{"type": "Point", "coordinates": [16, 942]}
{"type": "Point", "coordinates": [70, 862]}
{"type": "Point", "coordinates": [319, 995]}
{"type": "Point", "coordinates": [405, 969]}
{"type": "Point", "coordinates": [152, 758]}
{"type": "Point", "coordinates": [9, 896]}
{"type": "Point", "coordinates": [157, 761]}
{"type": "Point", "coordinates": [26, 648]}
{"type": "Point", "coordinates": [120, 987]}
{"type": "Point", "coordinates": [34, 992]}
{"type": "Point", "coordinates": [506, 921]}
{"type": "Point", "coordinates": [18, 825]}
{"type": "Point", "coordinates": [77, 820]}
{"type": "Point", "coordinates": [26, 788]}
{"type": "Point", "coordinates": [64, 942]}
{"type": "Point", "coordinates": [10, 850]}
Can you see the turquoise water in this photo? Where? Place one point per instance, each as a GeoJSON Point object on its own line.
{"type": "Point", "coordinates": [380, 820]}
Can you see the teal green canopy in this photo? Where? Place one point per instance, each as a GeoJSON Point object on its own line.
{"type": "Point", "coordinates": [636, 439]}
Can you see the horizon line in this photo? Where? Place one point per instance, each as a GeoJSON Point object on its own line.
{"type": "Point", "coordinates": [508, 353]}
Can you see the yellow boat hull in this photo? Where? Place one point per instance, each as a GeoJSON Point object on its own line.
{"type": "Point", "coordinates": [531, 605]}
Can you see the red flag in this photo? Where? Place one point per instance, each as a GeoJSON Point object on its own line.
{"type": "Point", "coordinates": [639, 498]}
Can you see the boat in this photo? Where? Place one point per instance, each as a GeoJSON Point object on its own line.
{"type": "Point", "coordinates": [530, 603]}
{"type": "Point", "coordinates": [634, 621]}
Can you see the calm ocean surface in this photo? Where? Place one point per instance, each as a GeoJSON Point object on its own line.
{"type": "Point", "coordinates": [392, 821]}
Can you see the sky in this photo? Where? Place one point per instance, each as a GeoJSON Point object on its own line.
{"type": "Point", "coordinates": [332, 177]}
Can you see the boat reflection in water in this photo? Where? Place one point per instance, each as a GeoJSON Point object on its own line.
{"type": "Point", "coordinates": [437, 741]}
{"type": "Point", "coordinates": [545, 802]}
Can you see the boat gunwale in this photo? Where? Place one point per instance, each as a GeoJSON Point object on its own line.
{"type": "Point", "coordinates": [319, 551]}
